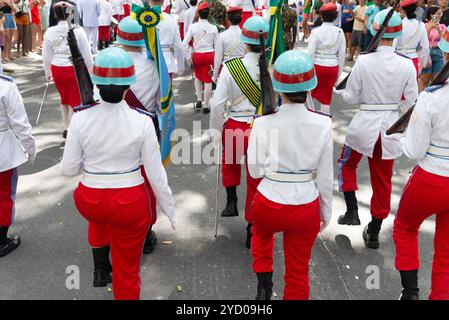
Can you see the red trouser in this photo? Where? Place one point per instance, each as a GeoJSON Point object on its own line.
{"type": "Point", "coordinates": [8, 188]}
{"type": "Point", "coordinates": [235, 144]}
{"type": "Point", "coordinates": [245, 16]}
{"type": "Point", "coordinates": [181, 30]}
{"type": "Point", "coordinates": [381, 172]}
{"type": "Point", "coordinates": [121, 218]}
{"type": "Point", "coordinates": [327, 76]}
{"type": "Point", "coordinates": [424, 195]}
{"type": "Point", "coordinates": [300, 225]}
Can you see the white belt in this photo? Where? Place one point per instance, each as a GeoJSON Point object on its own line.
{"type": "Point", "coordinates": [243, 114]}
{"type": "Point", "coordinates": [406, 51]}
{"type": "Point", "coordinates": [112, 177]}
{"type": "Point", "coordinates": [168, 49]}
{"type": "Point", "coordinates": [305, 176]}
{"type": "Point", "coordinates": [438, 151]}
{"type": "Point", "coordinates": [379, 107]}
{"type": "Point", "coordinates": [324, 55]}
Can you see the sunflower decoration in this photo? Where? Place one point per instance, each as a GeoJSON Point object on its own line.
{"type": "Point", "coordinates": [148, 17]}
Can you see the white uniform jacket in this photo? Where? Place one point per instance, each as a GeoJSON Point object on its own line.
{"type": "Point", "coordinates": [117, 7]}
{"type": "Point", "coordinates": [293, 140]}
{"type": "Point", "coordinates": [111, 139]}
{"type": "Point", "coordinates": [105, 18]}
{"type": "Point", "coordinates": [181, 6]}
{"type": "Point", "coordinates": [381, 77]}
{"type": "Point", "coordinates": [429, 126]}
{"type": "Point", "coordinates": [171, 44]}
{"type": "Point", "coordinates": [189, 16]}
{"type": "Point", "coordinates": [56, 51]}
{"type": "Point", "coordinates": [228, 98]}
{"type": "Point", "coordinates": [146, 89]}
{"type": "Point", "coordinates": [228, 46]}
{"type": "Point", "coordinates": [327, 46]}
{"type": "Point", "coordinates": [414, 36]}
{"type": "Point", "coordinates": [246, 5]}
{"type": "Point", "coordinates": [204, 35]}
{"type": "Point", "coordinates": [15, 129]}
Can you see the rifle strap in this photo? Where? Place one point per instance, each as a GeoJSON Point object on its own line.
{"type": "Point", "coordinates": [244, 81]}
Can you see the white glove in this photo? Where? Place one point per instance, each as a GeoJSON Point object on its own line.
{"type": "Point", "coordinates": [31, 158]}
{"type": "Point", "coordinates": [324, 225]}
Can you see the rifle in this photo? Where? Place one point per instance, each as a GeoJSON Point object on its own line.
{"type": "Point", "coordinates": [374, 43]}
{"type": "Point", "coordinates": [269, 105]}
{"type": "Point", "coordinates": [401, 124]}
{"type": "Point", "coordinates": [85, 86]}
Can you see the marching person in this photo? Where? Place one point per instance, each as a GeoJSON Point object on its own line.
{"type": "Point", "coordinates": [229, 45]}
{"type": "Point", "coordinates": [427, 141]}
{"type": "Point", "coordinates": [170, 42]}
{"type": "Point", "coordinates": [118, 13]}
{"type": "Point", "coordinates": [112, 194]}
{"type": "Point", "coordinates": [327, 47]}
{"type": "Point", "coordinates": [232, 113]}
{"type": "Point", "coordinates": [204, 36]}
{"type": "Point", "coordinates": [377, 82]}
{"type": "Point", "coordinates": [248, 7]}
{"type": "Point", "coordinates": [181, 6]}
{"type": "Point", "coordinates": [284, 149]}
{"type": "Point", "coordinates": [90, 11]}
{"type": "Point", "coordinates": [17, 147]}
{"type": "Point", "coordinates": [57, 65]}
{"type": "Point", "coordinates": [144, 97]}
{"type": "Point", "coordinates": [189, 15]}
{"type": "Point", "coordinates": [413, 42]}
{"type": "Point", "coordinates": [104, 24]}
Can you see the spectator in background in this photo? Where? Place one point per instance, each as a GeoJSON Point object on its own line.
{"type": "Point", "coordinates": [289, 20]}
{"type": "Point", "coordinates": [421, 11]}
{"type": "Point", "coordinates": [370, 13]}
{"type": "Point", "coordinates": [435, 30]}
{"type": "Point", "coordinates": [347, 21]}
{"type": "Point", "coordinates": [44, 22]}
{"type": "Point", "coordinates": [357, 36]}
{"type": "Point", "coordinates": [337, 21]}
{"type": "Point", "coordinates": [2, 32]}
{"type": "Point", "coordinates": [35, 22]}
{"type": "Point", "coordinates": [189, 15]}
{"type": "Point", "coordinates": [90, 11]}
{"type": "Point", "coordinates": [104, 24]}
{"type": "Point", "coordinates": [118, 13]}
{"type": "Point", "coordinates": [23, 22]}
{"type": "Point", "coordinates": [7, 8]}
{"type": "Point", "coordinates": [444, 12]}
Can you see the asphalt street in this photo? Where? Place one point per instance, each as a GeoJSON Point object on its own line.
{"type": "Point", "coordinates": [189, 263]}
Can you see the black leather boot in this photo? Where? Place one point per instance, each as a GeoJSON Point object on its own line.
{"type": "Point", "coordinates": [351, 217]}
{"type": "Point", "coordinates": [150, 242]}
{"type": "Point", "coordinates": [231, 203]}
{"type": "Point", "coordinates": [102, 267]}
{"type": "Point", "coordinates": [371, 233]}
{"type": "Point", "coordinates": [409, 280]}
{"type": "Point", "coordinates": [198, 105]}
{"type": "Point", "coordinates": [206, 110]}
{"type": "Point", "coordinates": [264, 285]}
{"type": "Point", "coordinates": [249, 235]}
{"type": "Point", "coordinates": [7, 244]}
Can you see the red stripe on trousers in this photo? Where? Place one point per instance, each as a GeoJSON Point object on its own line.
{"type": "Point", "coordinates": [381, 172]}
{"type": "Point", "coordinates": [424, 195]}
{"type": "Point", "coordinates": [121, 216]}
{"type": "Point", "coordinates": [8, 188]}
{"type": "Point", "coordinates": [235, 138]}
{"type": "Point", "coordinates": [327, 77]}
{"type": "Point", "coordinates": [300, 225]}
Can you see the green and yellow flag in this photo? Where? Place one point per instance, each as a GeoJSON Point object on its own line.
{"type": "Point", "coordinates": [275, 41]}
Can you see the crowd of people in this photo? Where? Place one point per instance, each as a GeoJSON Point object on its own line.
{"type": "Point", "coordinates": [289, 183]}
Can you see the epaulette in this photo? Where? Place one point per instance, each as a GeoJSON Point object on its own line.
{"type": "Point", "coordinates": [435, 87]}
{"type": "Point", "coordinates": [403, 55]}
{"type": "Point", "coordinates": [320, 113]}
{"type": "Point", "coordinates": [84, 107]}
{"type": "Point", "coordinates": [145, 112]}
{"type": "Point", "coordinates": [9, 79]}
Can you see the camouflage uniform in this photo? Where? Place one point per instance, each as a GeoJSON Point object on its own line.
{"type": "Point", "coordinates": [217, 14]}
{"type": "Point", "coordinates": [289, 21]}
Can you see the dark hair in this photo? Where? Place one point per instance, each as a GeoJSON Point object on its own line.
{"type": "Point", "coordinates": [328, 16]}
{"type": "Point", "coordinates": [193, 2]}
{"type": "Point", "coordinates": [204, 14]}
{"type": "Point", "coordinates": [431, 11]}
{"type": "Point", "coordinates": [112, 93]}
{"type": "Point", "coordinates": [254, 48]}
{"type": "Point", "coordinates": [235, 18]}
{"type": "Point", "coordinates": [60, 12]}
{"type": "Point", "coordinates": [410, 11]}
{"type": "Point", "coordinates": [296, 97]}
